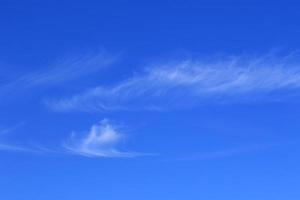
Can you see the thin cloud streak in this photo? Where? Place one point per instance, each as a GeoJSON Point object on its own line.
{"type": "Point", "coordinates": [192, 82]}
{"type": "Point", "coordinates": [100, 141]}
{"type": "Point", "coordinates": [8, 147]}
{"type": "Point", "coordinates": [237, 151]}
{"type": "Point", "coordinates": [64, 70]}
{"type": "Point", "coordinates": [70, 69]}
{"type": "Point", "coordinates": [4, 131]}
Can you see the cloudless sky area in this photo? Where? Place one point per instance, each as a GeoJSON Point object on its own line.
{"type": "Point", "coordinates": [149, 100]}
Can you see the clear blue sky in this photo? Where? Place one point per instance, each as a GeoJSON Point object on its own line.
{"type": "Point", "coordinates": [156, 100]}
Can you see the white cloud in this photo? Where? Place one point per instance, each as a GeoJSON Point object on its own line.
{"type": "Point", "coordinates": [18, 148]}
{"type": "Point", "coordinates": [101, 141]}
{"type": "Point", "coordinates": [62, 71]}
{"type": "Point", "coordinates": [70, 68]}
{"type": "Point", "coordinates": [5, 146]}
{"type": "Point", "coordinates": [193, 82]}
{"type": "Point", "coordinates": [7, 130]}
{"type": "Point", "coordinates": [247, 149]}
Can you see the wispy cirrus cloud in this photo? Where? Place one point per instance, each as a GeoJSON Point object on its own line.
{"type": "Point", "coordinates": [6, 147]}
{"type": "Point", "coordinates": [29, 148]}
{"type": "Point", "coordinates": [236, 151]}
{"type": "Point", "coordinates": [192, 82]}
{"type": "Point", "coordinates": [6, 130]}
{"type": "Point", "coordinates": [69, 69]}
{"type": "Point", "coordinates": [102, 140]}
{"type": "Point", "coordinates": [63, 70]}
{"type": "Point", "coordinates": [15, 146]}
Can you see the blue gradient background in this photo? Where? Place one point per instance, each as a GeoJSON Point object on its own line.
{"type": "Point", "coordinates": [33, 34]}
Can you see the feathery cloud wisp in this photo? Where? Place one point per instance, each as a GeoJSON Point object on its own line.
{"type": "Point", "coordinates": [10, 129]}
{"type": "Point", "coordinates": [193, 82]}
{"type": "Point", "coordinates": [62, 71]}
{"type": "Point", "coordinates": [69, 69]}
{"type": "Point", "coordinates": [101, 141]}
{"type": "Point", "coordinates": [24, 148]}
{"type": "Point", "coordinates": [236, 151]}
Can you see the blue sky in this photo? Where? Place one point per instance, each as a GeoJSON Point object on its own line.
{"type": "Point", "coordinates": [149, 100]}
